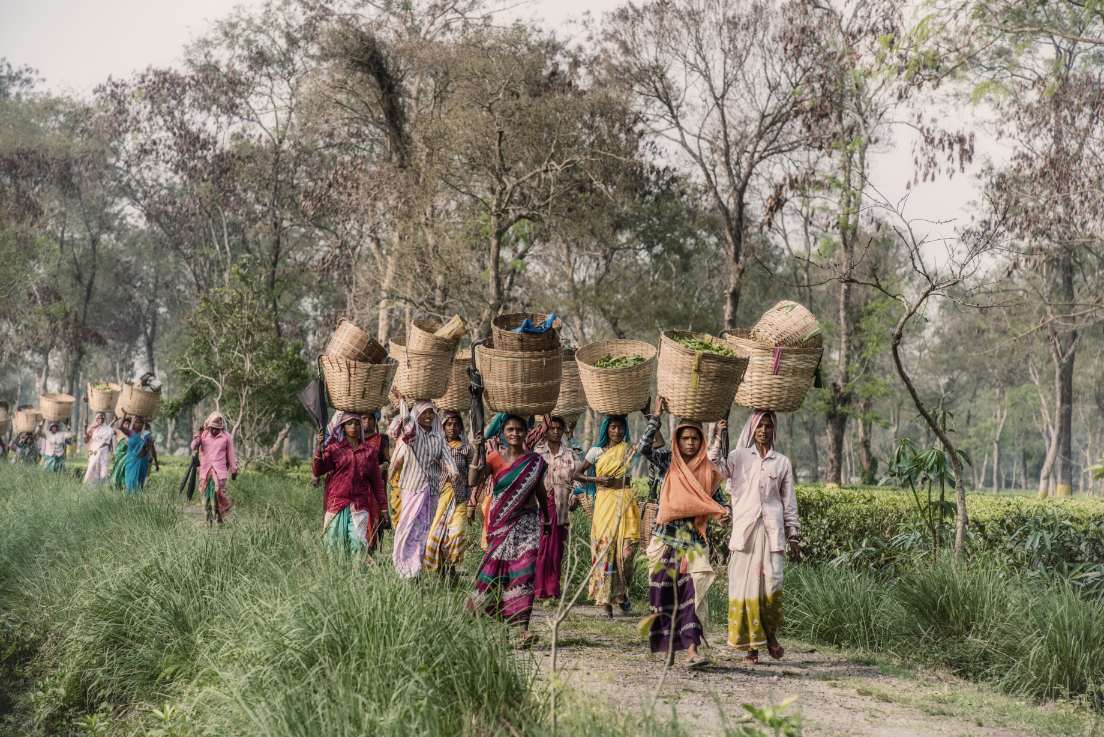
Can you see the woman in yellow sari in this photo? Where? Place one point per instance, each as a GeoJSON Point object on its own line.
{"type": "Point", "coordinates": [447, 539]}
{"type": "Point", "coordinates": [615, 529]}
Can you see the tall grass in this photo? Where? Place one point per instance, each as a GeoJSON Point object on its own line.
{"type": "Point", "coordinates": [138, 619]}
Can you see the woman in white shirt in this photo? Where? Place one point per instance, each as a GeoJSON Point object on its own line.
{"type": "Point", "coordinates": [764, 523]}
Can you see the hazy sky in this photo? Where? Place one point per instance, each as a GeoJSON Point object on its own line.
{"type": "Point", "coordinates": [75, 44]}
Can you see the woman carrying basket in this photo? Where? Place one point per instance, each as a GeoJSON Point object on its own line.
{"type": "Point", "coordinates": [355, 506]}
{"type": "Point", "coordinates": [98, 439]}
{"type": "Point", "coordinates": [506, 581]}
{"type": "Point", "coordinates": [764, 524]}
{"type": "Point", "coordinates": [140, 453]}
{"type": "Point", "coordinates": [678, 552]}
{"type": "Point", "coordinates": [615, 529]}
{"type": "Point", "coordinates": [447, 539]}
{"type": "Point", "coordinates": [422, 461]}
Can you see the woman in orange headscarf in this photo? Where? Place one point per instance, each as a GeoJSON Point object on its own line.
{"type": "Point", "coordinates": [678, 553]}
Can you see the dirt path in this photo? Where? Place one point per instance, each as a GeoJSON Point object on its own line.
{"type": "Point", "coordinates": [837, 695]}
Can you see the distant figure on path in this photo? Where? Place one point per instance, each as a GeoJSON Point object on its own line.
{"type": "Point", "coordinates": [764, 520]}
{"type": "Point", "coordinates": [25, 449]}
{"type": "Point", "coordinates": [54, 441]}
{"type": "Point", "coordinates": [140, 453]}
{"type": "Point", "coordinates": [217, 460]}
{"type": "Point", "coordinates": [98, 439]}
{"type": "Point", "coordinates": [118, 460]}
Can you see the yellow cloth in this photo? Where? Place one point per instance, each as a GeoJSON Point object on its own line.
{"type": "Point", "coordinates": [395, 497]}
{"type": "Point", "coordinates": [614, 530]}
{"type": "Point", "coordinates": [754, 592]}
{"type": "Point", "coordinates": [446, 543]}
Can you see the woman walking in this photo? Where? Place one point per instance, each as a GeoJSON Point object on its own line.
{"type": "Point", "coordinates": [54, 441]}
{"type": "Point", "coordinates": [98, 439]}
{"type": "Point", "coordinates": [118, 460]}
{"type": "Point", "coordinates": [558, 485]}
{"type": "Point", "coordinates": [422, 461]}
{"type": "Point", "coordinates": [139, 454]}
{"type": "Point", "coordinates": [764, 523]}
{"type": "Point", "coordinates": [354, 502]}
{"type": "Point", "coordinates": [447, 539]}
{"type": "Point", "coordinates": [505, 583]}
{"type": "Point", "coordinates": [217, 459]}
{"type": "Point", "coordinates": [681, 573]}
{"type": "Point", "coordinates": [25, 449]}
{"type": "Point", "coordinates": [615, 529]}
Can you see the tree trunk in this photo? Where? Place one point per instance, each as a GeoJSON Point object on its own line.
{"type": "Point", "coordinates": [1064, 473]}
{"type": "Point", "coordinates": [814, 448]}
{"type": "Point", "coordinates": [837, 425]}
{"type": "Point", "coordinates": [867, 461]}
{"type": "Point", "coordinates": [734, 238]}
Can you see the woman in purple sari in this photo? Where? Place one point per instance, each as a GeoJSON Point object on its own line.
{"type": "Point", "coordinates": [506, 581]}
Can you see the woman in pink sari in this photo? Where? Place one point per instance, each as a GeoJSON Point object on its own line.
{"type": "Point", "coordinates": [506, 582]}
{"type": "Point", "coordinates": [217, 461]}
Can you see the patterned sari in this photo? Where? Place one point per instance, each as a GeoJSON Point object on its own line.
{"type": "Point", "coordinates": [445, 548]}
{"type": "Point", "coordinates": [615, 529]}
{"type": "Point", "coordinates": [137, 462]}
{"type": "Point", "coordinates": [504, 585]}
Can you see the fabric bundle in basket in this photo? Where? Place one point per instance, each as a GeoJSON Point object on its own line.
{"type": "Point", "coordinates": [56, 407]}
{"type": "Point", "coordinates": [520, 382]}
{"type": "Point", "coordinates": [422, 374]}
{"type": "Point", "coordinates": [26, 420]}
{"type": "Point", "coordinates": [509, 332]}
{"type": "Point", "coordinates": [616, 391]}
{"type": "Point", "coordinates": [572, 400]}
{"type": "Point", "coordinates": [355, 386]}
{"type": "Point", "coordinates": [137, 402]}
{"type": "Point", "coordinates": [698, 385]}
{"type": "Point", "coordinates": [102, 397]}
{"type": "Point", "coordinates": [350, 342]}
{"type": "Point", "coordinates": [647, 522]}
{"type": "Point", "coordinates": [458, 395]}
{"type": "Point", "coordinates": [777, 377]}
{"type": "Point", "coordinates": [788, 324]}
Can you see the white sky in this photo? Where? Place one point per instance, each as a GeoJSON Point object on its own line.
{"type": "Point", "coordinates": [75, 44]}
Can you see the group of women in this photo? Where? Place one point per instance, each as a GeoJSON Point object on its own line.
{"type": "Point", "coordinates": [524, 478]}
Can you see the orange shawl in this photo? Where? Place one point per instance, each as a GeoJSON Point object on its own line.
{"type": "Point", "coordinates": [689, 485]}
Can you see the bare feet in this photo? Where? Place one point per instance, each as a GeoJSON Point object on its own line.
{"type": "Point", "coordinates": [752, 657]}
{"type": "Point", "coordinates": [776, 650]}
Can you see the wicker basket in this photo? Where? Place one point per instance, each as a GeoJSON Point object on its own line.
{"type": "Point", "coordinates": [587, 503]}
{"type": "Point", "coordinates": [697, 385]}
{"type": "Point", "coordinates": [505, 339]}
{"type": "Point", "coordinates": [137, 402]}
{"type": "Point", "coordinates": [354, 386]}
{"type": "Point", "coordinates": [777, 378]}
{"type": "Point", "coordinates": [26, 420]}
{"type": "Point", "coordinates": [647, 523]}
{"type": "Point", "coordinates": [103, 400]}
{"type": "Point", "coordinates": [354, 344]}
{"type": "Point", "coordinates": [420, 338]}
{"type": "Point", "coordinates": [458, 395]}
{"type": "Point", "coordinates": [421, 374]}
{"type": "Point", "coordinates": [56, 407]}
{"type": "Point", "coordinates": [572, 400]}
{"type": "Point", "coordinates": [789, 324]}
{"type": "Point", "coordinates": [616, 391]}
{"type": "Point", "coordinates": [520, 382]}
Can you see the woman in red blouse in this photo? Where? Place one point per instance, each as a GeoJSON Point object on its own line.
{"type": "Point", "coordinates": [355, 502]}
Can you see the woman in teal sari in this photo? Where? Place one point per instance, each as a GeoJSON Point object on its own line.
{"type": "Point", "coordinates": [139, 453]}
{"type": "Point", "coordinates": [118, 463]}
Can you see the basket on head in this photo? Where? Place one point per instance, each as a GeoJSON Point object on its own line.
{"type": "Point", "coordinates": [616, 391]}
{"type": "Point", "coordinates": [520, 382]}
{"type": "Point", "coordinates": [777, 377]}
{"type": "Point", "coordinates": [787, 323]}
{"type": "Point", "coordinates": [420, 336]}
{"type": "Point", "coordinates": [102, 397]}
{"type": "Point", "coordinates": [458, 395]}
{"type": "Point", "coordinates": [697, 385]}
{"type": "Point", "coordinates": [572, 400]}
{"type": "Point", "coordinates": [355, 386]}
{"type": "Point", "coordinates": [647, 523]}
{"type": "Point", "coordinates": [56, 407]}
{"type": "Point", "coordinates": [137, 402]}
{"type": "Point", "coordinates": [350, 342]}
{"type": "Point", "coordinates": [421, 374]}
{"type": "Point", "coordinates": [26, 420]}
{"type": "Point", "coordinates": [505, 339]}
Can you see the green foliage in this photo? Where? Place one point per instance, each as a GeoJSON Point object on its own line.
{"type": "Point", "coordinates": [705, 346]}
{"type": "Point", "coordinates": [608, 362]}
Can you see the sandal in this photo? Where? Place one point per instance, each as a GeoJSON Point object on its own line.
{"type": "Point", "coordinates": [752, 657]}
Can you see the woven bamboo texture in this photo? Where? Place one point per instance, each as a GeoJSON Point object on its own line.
{"type": "Point", "coordinates": [420, 337]}
{"type": "Point", "coordinates": [350, 342]}
{"type": "Point", "coordinates": [520, 382]}
{"type": "Point", "coordinates": [26, 420]}
{"type": "Point", "coordinates": [421, 374]}
{"type": "Point", "coordinates": [787, 324]}
{"type": "Point", "coordinates": [777, 378]}
{"type": "Point", "coordinates": [103, 400]}
{"type": "Point", "coordinates": [458, 395]}
{"type": "Point", "coordinates": [587, 504]}
{"type": "Point", "coordinates": [616, 391]}
{"type": "Point", "coordinates": [354, 386]}
{"type": "Point", "coordinates": [572, 400]}
{"type": "Point", "coordinates": [697, 385]}
{"type": "Point", "coordinates": [56, 407]}
{"type": "Point", "coordinates": [137, 402]}
{"type": "Point", "coordinates": [505, 339]}
{"type": "Point", "coordinates": [647, 523]}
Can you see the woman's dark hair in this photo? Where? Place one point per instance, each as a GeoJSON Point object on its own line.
{"type": "Point", "coordinates": [556, 418]}
{"type": "Point", "coordinates": [451, 414]}
{"type": "Point", "coordinates": [519, 418]}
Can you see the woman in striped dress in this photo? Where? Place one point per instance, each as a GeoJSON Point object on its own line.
{"type": "Point", "coordinates": [447, 538]}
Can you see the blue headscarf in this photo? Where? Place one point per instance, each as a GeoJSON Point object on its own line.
{"type": "Point", "coordinates": [498, 424]}
{"type": "Point", "coordinates": [603, 429]}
